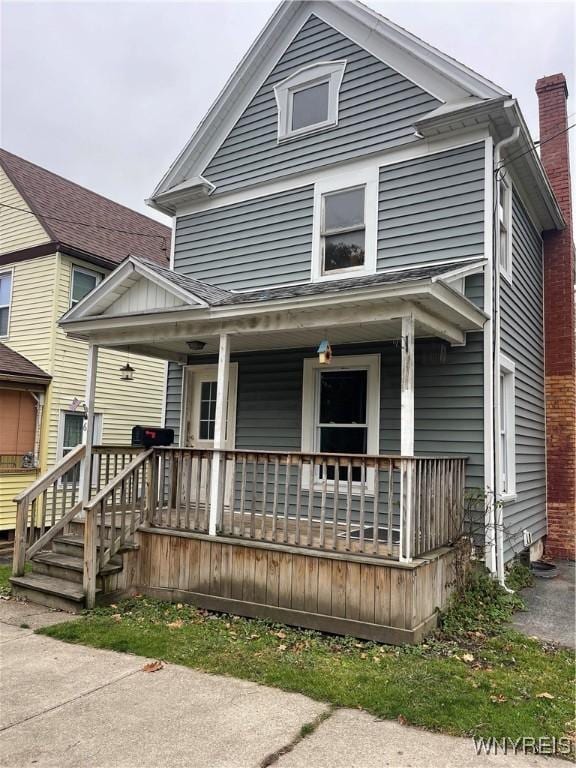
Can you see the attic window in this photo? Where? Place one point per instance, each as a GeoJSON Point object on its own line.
{"type": "Point", "coordinates": [308, 99]}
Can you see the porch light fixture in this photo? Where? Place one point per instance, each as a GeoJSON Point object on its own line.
{"type": "Point", "coordinates": [127, 372]}
{"type": "Point", "coordinates": [195, 346]}
{"type": "Point", "coordinates": [324, 352]}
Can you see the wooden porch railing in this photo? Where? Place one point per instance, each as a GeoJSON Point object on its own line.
{"type": "Point", "coordinates": [387, 506]}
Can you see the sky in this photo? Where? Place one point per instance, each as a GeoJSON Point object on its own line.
{"type": "Point", "coordinates": [107, 93]}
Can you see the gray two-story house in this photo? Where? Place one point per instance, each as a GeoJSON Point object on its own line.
{"type": "Point", "coordinates": [353, 317]}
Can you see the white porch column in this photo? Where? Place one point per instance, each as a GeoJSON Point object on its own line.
{"type": "Point", "coordinates": [85, 478]}
{"type": "Point", "coordinates": [218, 479]}
{"type": "Point", "coordinates": [90, 527]}
{"type": "Point", "coordinates": [407, 437]}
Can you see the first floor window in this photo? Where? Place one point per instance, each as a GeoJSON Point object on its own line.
{"type": "Point", "coordinates": [341, 409]}
{"type": "Point", "coordinates": [507, 428]}
{"type": "Point", "coordinates": [343, 229]}
{"type": "Point", "coordinates": [83, 282]}
{"type": "Point", "coordinates": [5, 297]}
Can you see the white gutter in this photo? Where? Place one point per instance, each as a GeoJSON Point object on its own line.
{"type": "Point", "coordinates": [497, 511]}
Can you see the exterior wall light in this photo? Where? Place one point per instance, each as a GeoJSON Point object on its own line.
{"type": "Point", "coordinates": [127, 372]}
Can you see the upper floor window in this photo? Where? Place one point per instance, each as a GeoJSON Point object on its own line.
{"type": "Point", "coordinates": [505, 228]}
{"type": "Point", "coordinates": [345, 225]}
{"type": "Point", "coordinates": [83, 281]}
{"type": "Point", "coordinates": [308, 99]}
{"type": "Point", "coordinates": [5, 300]}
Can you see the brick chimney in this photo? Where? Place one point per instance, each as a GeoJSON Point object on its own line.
{"type": "Point", "coordinates": [559, 326]}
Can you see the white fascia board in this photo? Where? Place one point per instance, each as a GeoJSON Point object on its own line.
{"type": "Point", "coordinates": [113, 280]}
{"type": "Point", "coordinates": [435, 72]}
{"type": "Point", "coordinates": [473, 268]}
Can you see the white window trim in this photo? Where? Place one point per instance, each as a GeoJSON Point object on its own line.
{"type": "Point", "coordinates": [331, 72]}
{"type": "Point", "coordinates": [310, 403]}
{"type": "Point", "coordinates": [368, 179]}
{"type": "Point", "coordinates": [508, 369]}
{"type": "Point", "coordinates": [4, 273]}
{"type": "Point", "coordinates": [84, 270]}
{"type": "Point", "coordinates": [506, 268]}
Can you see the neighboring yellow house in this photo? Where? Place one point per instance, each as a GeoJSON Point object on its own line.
{"type": "Point", "coordinates": [58, 240]}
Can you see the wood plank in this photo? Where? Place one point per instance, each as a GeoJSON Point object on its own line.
{"type": "Point", "coordinates": [398, 599]}
{"type": "Point", "coordinates": [298, 582]}
{"type": "Point", "coordinates": [204, 573]}
{"type": "Point", "coordinates": [248, 576]}
{"type": "Point", "coordinates": [175, 550]}
{"type": "Point", "coordinates": [285, 579]}
{"type": "Point", "coordinates": [273, 578]}
{"type": "Point", "coordinates": [237, 580]}
{"type": "Point", "coordinates": [215, 568]}
{"type": "Point", "coordinates": [226, 571]}
{"type": "Point", "coordinates": [164, 569]}
{"type": "Point", "coordinates": [367, 580]}
{"type": "Point", "coordinates": [324, 586]}
{"type": "Point", "coordinates": [184, 569]}
{"type": "Point", "coordinates": [260, 575]}
{"type": "Point", "coordinates": [339, 588]}
{"type": "Point", "coordinates": [194, 565]}
{"type": "Point", "coordinates": [311, 585]}
{"type": "Point", "coordinates": [382, 587]}
{"type": "Point", "coordinates": [353, 591]}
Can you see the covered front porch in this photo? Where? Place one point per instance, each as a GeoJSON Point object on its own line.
{"type": "Point", "coordinates": [284, 462]}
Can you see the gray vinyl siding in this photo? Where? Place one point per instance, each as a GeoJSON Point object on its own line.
{"type": "Point", "coordinates": [432, 208]}
{"type": "Point", "coordinates": [448, 400]}
{"type": "Point", "coordinates": [474, 289]}
{"type": "Point", "coordinates": [257, 243]}
{"type": "Point", "coordinates": [522, 340]}
{"type": "Point", "coordinates": [377, 110]}
{"type": "Point", "coordinates": [174, 399]}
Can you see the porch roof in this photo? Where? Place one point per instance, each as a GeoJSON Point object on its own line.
{"type": "Point", "coordinates": [146, 309]}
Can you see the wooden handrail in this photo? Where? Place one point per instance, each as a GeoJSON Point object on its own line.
{"type": "Point", "coordinates": [308, 454]}
{"type": "Point", "coordinates": [117, 479]}
{"type": "Point", "coordinates": [64, 465]}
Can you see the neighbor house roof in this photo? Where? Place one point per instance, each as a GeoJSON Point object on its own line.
{"type": "Point", "coordinates": [77, 218]}
{"type": "Point", "coordinates": [15, 365]}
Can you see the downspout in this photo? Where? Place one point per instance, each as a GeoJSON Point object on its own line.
{"type": "Point", "coordinates": [497, 518]}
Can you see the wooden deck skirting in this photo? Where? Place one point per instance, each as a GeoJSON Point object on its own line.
{"type": "Point", "coordinates": [374, 599]}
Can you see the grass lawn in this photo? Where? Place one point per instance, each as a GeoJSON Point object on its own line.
{"type": "Point", "coordinates": [475, 677]}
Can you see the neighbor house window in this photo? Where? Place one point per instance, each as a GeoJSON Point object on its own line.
{"type": "Point", "coordinates": [72, 434]}
{"type": "Point", "coordinates": [307, 100]}
{"type": "Point", "coordinates": [5, 299]}
{"type": "Point", "coordinates": [345, 225]}
{"type": "Point", "coordinates": [507, 428]}
{"type": "Point", "coordinates": [340, 411]}
{"type": "Point", "coordinates": [83, 282]}
{"type": "Point", "coordinates": [505, 228]}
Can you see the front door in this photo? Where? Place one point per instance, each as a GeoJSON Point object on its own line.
{"type": "Point", "coordinates": [198, 418]}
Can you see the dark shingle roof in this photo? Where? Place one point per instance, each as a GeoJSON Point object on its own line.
{"type": "Point", "coordinates": [312, 289]}
{"type": "Point", "coordinates": [211, 294]}
{"type": "Point", "coordinates": [63, 208]}
{"type": "Point", "coordinates": [14, 364]}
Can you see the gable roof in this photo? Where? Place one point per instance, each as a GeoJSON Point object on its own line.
{"type": "Point", "coordinates": [83, 220]}
{"type": "Point", "coordinates": [15, 365]}
{"type": "Point", "coordinates": [434, 71]}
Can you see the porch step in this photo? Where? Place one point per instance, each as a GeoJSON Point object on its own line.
{"type": "Point", "coordinates": [72, 544]}
{"type": "Point", "coordinates": [67, 567]}
{"type": "Point", "coordinates": [49, 591]}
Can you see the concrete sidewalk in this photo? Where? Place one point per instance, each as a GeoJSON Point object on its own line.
{"type": "Point", "coordinates": [71, 706]}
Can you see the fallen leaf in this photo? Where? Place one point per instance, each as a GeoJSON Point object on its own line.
{"type": "Point", "coordinates": [500, 699]}
{"type": "Point", "coordinates": [152, 666]}
{"type": "Point", "coordinates": [376, 659]}
{"type": "Point", "coordinates": [282, 647]}
{"type": "Point", "coordinates": [281, 635]}
{"type": "Point", "coordinates": [179, 606]}
{"type": "Point", "coordinates": [358, 645]}
{"type": "Point", "coordinates": [363, 655]}
{"type": "Point", "coordinates": [113, 605]}
{"type": "Point", "coordinates": [117, 616]}
{"type": "Point", "coordinates": [467, 657]}
{"type": "Point", "coordinates": [254, 637]}
{"type": "Point", "coordinates": [175, 624]}
{"type": "Point", "coordinates": [402, 720]}
{"type": "Point", "coordinates": [544, 695]}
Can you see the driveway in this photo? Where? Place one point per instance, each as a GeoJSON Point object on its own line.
{"type": "Point", "coordinates": [69, 706]}
{"type": "Point", "coordinates": [550, 607]}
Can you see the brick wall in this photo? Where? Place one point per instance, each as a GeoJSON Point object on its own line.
{"type": "Point", "coordinates": [559, 319]}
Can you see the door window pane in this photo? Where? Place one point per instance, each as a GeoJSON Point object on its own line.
{"type": "Point", "coordinates": [207, 410]}
{"type": "Point", "coordinates": [310, 106]}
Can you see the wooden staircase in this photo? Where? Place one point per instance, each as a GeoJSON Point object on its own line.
{"type": "Point", "coordinates": [77, 555]}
